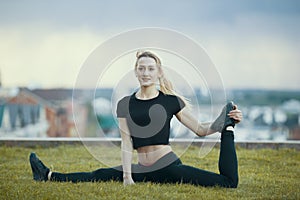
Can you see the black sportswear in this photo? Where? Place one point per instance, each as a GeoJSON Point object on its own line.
{"type": "Point", "coordinates": [149, 120]}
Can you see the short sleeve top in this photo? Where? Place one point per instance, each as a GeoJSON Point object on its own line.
{"type": "Point", "coordinates": [149, 120]}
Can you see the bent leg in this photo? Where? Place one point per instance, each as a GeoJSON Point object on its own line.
{"type": "Point", "coordinates": [176, 172]}
{"type": "Point", "coordinates": [228, 164]}
{"type": "Point", "coordinates": [228, 167]}
{"type": "Point", "coordinates": [187, 174]}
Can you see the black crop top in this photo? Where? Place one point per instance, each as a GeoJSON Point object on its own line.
{"type": "Point", "coordinates": [149, 120]}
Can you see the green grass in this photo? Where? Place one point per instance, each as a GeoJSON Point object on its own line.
{"type": "Point", "coordinates": [264, 174]}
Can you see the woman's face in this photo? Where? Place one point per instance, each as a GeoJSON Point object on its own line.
{"type": "Point", "coordinates": [147, 71]}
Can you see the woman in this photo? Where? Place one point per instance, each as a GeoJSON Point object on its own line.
{"type": "Point", "coordinates": [144, 122]}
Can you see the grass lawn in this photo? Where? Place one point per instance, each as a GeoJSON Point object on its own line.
{"type": "Point", "coordinates": [264, 174]}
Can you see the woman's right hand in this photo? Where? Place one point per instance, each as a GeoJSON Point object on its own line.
{"type": "Point", "coordinates": [128, 181]}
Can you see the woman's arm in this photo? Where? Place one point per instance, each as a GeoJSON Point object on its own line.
{"type": "Point", "coordinates": [199, 128]}
{"type": "Point", "coordinates": [126, 147]}
{"type": "Point", "coordinates": [203, 128]}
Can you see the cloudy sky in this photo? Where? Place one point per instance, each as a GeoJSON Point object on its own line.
{"type": "Point", "coordinates": [253, 43]}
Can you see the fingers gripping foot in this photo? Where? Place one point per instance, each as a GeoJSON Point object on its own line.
{"type": "Point", "coordinates": [223, 120]}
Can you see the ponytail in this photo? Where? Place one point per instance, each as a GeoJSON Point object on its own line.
{"type": "Point", "coordinates": [166, 87]}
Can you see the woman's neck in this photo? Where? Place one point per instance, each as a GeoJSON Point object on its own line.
{"type": "Point", "coordinates": [147, 93]}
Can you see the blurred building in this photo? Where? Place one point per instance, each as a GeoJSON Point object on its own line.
{"type": "Point", "coordinates": [61, 119]}
{"type": "Point", "coordinates": [22, 113]}
{"type": "Point", "coordinates": [27, 113]}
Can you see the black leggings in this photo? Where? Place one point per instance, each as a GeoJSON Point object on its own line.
{"type": "Point", "coordinates": [174, 172]}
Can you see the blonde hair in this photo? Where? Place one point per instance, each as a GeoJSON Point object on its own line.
{"type": "Point", "coordinates": [165, 84]}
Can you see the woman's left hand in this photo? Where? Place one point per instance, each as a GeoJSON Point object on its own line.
{"type": "Point", "coordinates": [236, 114]}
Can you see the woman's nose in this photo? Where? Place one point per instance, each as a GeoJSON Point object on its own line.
{"type": "Point", "coordinates": [146, 72]}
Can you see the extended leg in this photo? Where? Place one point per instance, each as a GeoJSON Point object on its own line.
{"type": "Point", "coordinates": [42, 173]}
{"type": "Point", "coordinates": [103, 174]}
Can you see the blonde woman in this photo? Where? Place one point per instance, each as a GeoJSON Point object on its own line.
{"type": "Point", "coordinates": [144, 121]}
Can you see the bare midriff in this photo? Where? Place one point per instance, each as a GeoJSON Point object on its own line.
{"type": "Point", "coordinates": [148, 155]}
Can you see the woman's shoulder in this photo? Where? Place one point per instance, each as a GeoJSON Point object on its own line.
{"type": "Point", "coordinates": [168, 96]}
{"type": "Point", "coordinates": [122, 107]}
{"type": "Point", "coordinates": [124, 99]}
{"type": "Point", "coordinates": [173, 99]}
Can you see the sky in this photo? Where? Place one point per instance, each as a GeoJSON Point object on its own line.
{"type": "Point", "coordinates": [253, 43]}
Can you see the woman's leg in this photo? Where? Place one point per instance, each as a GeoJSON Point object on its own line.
{"type": "Point", "coordinates": [228, 164]}
{"type": "Point", "coordinates": [228, 177]}
{"type": "Point", "coordinates": [42, 173]}
{"type": "Point", "coordinates": [102, 174]}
